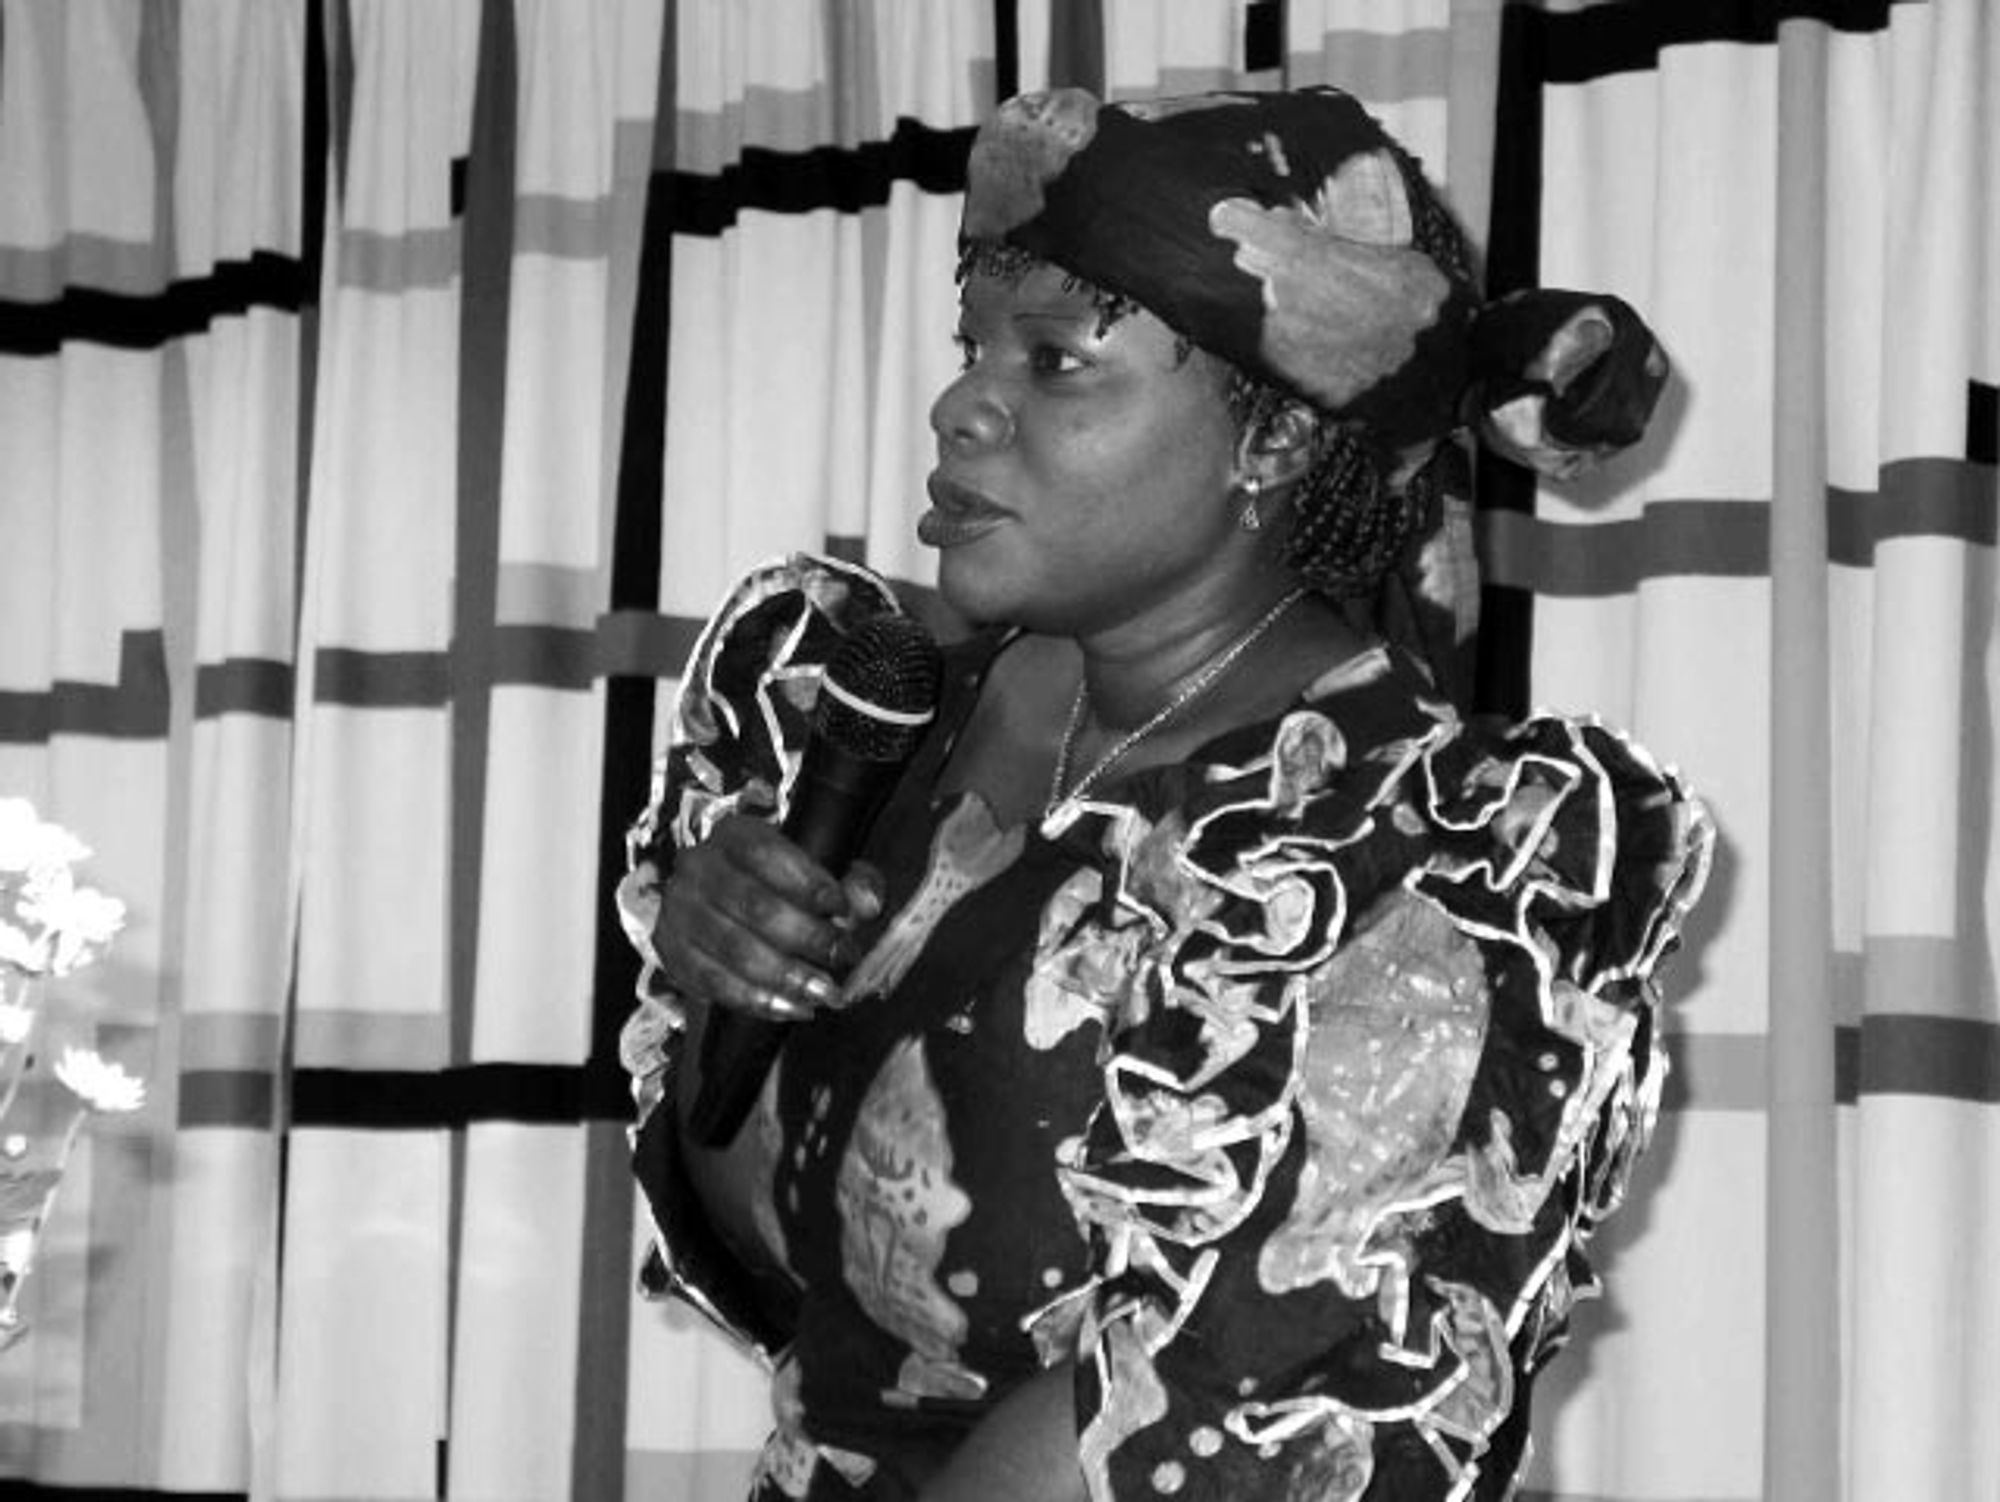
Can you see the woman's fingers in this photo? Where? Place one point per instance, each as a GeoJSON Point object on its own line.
{"type": "Point", "coordinates": [748, 921]}
{"type": "Point", "coordinates": [732, 945]}
{"type": "Point", "coordinates": [721, 983]}
{"type": "Point", "coordinates": [763, 853]}
{"type": "Point", "coordinates": [864, 890]}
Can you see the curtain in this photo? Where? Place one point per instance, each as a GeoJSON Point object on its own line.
{"type": "Point", "coordinates": [1789, 589]}
{"type": "Point", "coordinates": [388, 390]}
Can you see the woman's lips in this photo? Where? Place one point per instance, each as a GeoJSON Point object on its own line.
{"type": "Point", "coordinates": [957, 516]}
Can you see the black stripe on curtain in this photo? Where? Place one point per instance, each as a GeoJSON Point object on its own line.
{"type": "Point", "coordinates": [848, 179]}
{"type": "Point", "coordinates": [1505, 643]}
{"type": "Point", "coordinates": [438, 1100]}
{"type": "Point", "coordinates": [1263, 36]}
{"type": "Point", "coordinates": [1006, 48]}
{"type": "Point", "coordinates": [637, 520]}
{"type": "Point", "coordinates": [316, 147]}
{"type": "Point", "coordinates": [1606, 39]}
{"type": "Point", "coordinates": [1982, 424]}
{"type": "Point", "coordinates": [148, 320]}
{"type": "Point", "coordinates": [31, 1491]}
{"type": "Point", "coordinates": [133, 708]}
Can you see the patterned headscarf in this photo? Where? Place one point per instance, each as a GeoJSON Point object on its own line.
{"type": "Point", "coordinates": [1290, 234]}
{"type": "Point", "coordinates": [1275, 230]}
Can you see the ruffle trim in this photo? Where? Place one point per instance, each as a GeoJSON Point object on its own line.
{"type": "Point", "coordinates": [1546, 874]}
{"type": "Point", "coordinates": [734, 743]}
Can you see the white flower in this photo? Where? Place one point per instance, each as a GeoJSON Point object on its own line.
{"type": "Point", "coordinates": [15, 1020]}
{"type": "Point", "coordinates": [22, 950]}
{"type": "Point", "coordinates": [29, 844]}
{"type": "Point", "coordinates": [99, 1085]}
{"type": "Point", "coordinates": [82, 919]}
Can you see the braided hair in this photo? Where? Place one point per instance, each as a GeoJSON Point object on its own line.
{"type": "Point", "coordinates": [1352, 523]}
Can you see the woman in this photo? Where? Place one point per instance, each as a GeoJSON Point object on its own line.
{"type": "Point", "coordinates": [1208, 1080]}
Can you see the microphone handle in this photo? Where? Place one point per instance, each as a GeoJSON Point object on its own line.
{"type": "Point", "coordinates": [834, 801]}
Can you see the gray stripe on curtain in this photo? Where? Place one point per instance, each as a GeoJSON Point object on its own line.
{"type": "Point", "coordinates": [1944, 498]}
{"type": "Point", "coordinates": [762, 118]}
{"type": "Point", "coordinates": [565, 228]}
{"type": "Point", "coordinates": [1801, 1194]}
{"type": "Point", "coordinates": [382, 680]}
{"type": "Point", "coordinates": [133, 707]}
{"type": "Point", "coordinates": [621, 642]}
{"type": "Point", "coordinates": [1716, 539]}
{"type": "Point", "coordinates": [243, 685]}
{"type": "Point", "coordinates": [238, 1099]}
{"type": "Point", "coordinates": [1947, 1057]}
{"type": "Point", "coordinates": [1380, 67]}
{"type": "Point", "coordinates": [487, 270]}
{"type": "Point", "coordinates": [374, 262]}
{"type": "Point", "coordinates": [1938, 1058]}
{"type": "Point", "coordinates": [641, 644]}
{"type": "Point", "coordinates": [38, 273]}
{"type": "Point", "coordinates": [545, 656]}
{"type": "Point", "coordinates": [1918, 498]}
{"type": "Point", "coordinates": [1076, 45]}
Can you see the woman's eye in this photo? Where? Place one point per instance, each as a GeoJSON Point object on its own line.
{"type": "Point", "coordinates": [1053, 359]}
{"type": "Point", "coordinates": [968, 350]}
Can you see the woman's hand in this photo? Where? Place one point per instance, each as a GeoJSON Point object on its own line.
{"type": "Point", "coordinates": [750, 922]}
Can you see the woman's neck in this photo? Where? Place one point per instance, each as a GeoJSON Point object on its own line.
{"type": "Point", "coordinates": [1130, 673]}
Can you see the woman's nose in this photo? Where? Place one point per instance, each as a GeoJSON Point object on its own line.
{"type": "Point", "coordinates": [969, 413]}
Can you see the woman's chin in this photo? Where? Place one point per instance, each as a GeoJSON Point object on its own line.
{"type": "Point", "coordinates": [979, 594]}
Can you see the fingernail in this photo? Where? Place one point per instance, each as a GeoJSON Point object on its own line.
{"type": "Point", "coordinates": [817, 989]}
{"type": "Point", "coordinates": [778, 1005]}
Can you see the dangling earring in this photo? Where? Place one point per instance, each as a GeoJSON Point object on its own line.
{"type": "Point", "coordinates": [1248, 518]}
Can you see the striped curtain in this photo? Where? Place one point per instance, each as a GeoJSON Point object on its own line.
{"type": "Point", "coordinates": [386, 392]}
{"type": "Point", "coordinates": [1791, 590]}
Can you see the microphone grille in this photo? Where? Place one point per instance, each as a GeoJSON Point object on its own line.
{"type": "Point", "coordinates": [880, 691]}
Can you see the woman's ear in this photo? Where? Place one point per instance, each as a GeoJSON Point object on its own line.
{"type": "Point", "coordinates": [1280, 446]}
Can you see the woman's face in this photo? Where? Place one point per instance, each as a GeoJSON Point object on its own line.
{"type": "Point", "coordinates": [1083, 471]}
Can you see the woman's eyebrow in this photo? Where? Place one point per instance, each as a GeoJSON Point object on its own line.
{"type": "Point", "coordinates": [1067, 316]}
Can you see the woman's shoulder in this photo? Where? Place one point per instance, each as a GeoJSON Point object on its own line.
{"type": "Point", "coordinates": [1559, 824]}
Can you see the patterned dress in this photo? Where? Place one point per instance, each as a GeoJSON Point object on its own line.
{"type": "Point", "coordinates": [1278, 1090]}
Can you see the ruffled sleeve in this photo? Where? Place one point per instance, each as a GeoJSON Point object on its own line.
{"type": "Point", "coordinates": [738, 729]}
{"type": "Point", "coordinates": [1387, 1053]}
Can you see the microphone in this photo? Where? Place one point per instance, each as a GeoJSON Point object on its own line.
{"type": "Point", "coordinates": [876, 699]}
